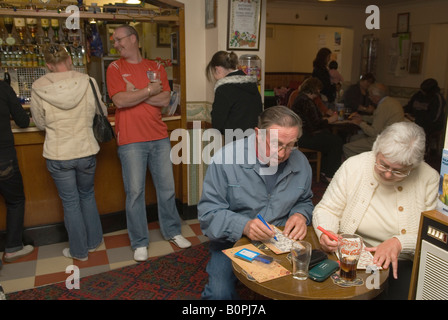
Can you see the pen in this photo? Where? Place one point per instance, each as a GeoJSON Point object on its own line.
{"type": "Point", "coordinates": [332, 236]}
{"type": "Point", "coordinates": [262, 220]}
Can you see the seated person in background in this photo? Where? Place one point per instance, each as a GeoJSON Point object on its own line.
{"type": "Point", "coordinates": [335, 77]}
{"type": "Point", "coordinates": [380, 195]}
{"type": "Point", "coordinates": [274, 180]}
{"type": "Point", "coordinates": [427, 107]}
{"type": "Point", "coordinates": [316, 134]}
{"type": "Point", "coordinates": [387, 112]}
{"type": "Point", "coordinates": [356, 97]}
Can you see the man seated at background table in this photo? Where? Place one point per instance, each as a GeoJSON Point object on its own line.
{"type": "Point", "coordinates": [380, 196]}
{"type": "Point", "coordinates": [387, 112]}
{"type": "Point", "coordinates": [273, 179]}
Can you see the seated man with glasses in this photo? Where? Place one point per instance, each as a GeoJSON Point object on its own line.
{"type": "Point", "coordinates": [380, 195]}
{"type": "Point", "coordinates": [261, 174]}
{"type": "Point", "coordinates": [388, 111]}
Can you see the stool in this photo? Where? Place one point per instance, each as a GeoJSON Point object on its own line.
{"type": "Point", "coordinates": [315, 157]}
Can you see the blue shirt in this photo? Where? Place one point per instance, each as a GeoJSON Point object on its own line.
{"type": "Point", "coordinates": [234, 191]}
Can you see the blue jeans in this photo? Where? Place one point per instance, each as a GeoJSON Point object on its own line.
{"type": "Point", "coordinates": [221, 280]}
{"type": "Point", "coordinates": [74, 180]}
{"type": "Point", "coordinates": [135, 159]}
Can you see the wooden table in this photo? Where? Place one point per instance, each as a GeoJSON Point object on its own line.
{"type": "Point", "coordinates": [287, 288]}
{"type": "Point", "coordinates": [344, 128]}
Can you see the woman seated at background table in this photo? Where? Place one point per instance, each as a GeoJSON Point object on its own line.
{"type": "Point", "coordinates": [380, 195]}
{"type": "Point", "coordinates": [316, 134]}
{"type": "Point", "coordinates": [356, 97]}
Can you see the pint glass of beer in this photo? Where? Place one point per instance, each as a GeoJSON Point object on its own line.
{"type": "Point", "coordinates": [349, 249]}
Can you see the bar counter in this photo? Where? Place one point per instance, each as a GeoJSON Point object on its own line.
{"type": "Point", "coordinates": [43, 205]}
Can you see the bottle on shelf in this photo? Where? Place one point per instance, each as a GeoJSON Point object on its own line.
{"type": "Point", "coordinates": [7, 77]}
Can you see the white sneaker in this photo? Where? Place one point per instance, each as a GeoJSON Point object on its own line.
{"type": "Point", "coordinates": [181, 242]}
{"type": "Point", "coordinates": [66, 253]}
{"type": "Point", "coordinates": [141, 254]}
{"type": "Point", "coordinates": [26, 250]}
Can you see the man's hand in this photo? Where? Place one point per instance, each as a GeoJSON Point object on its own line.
{"type": "Point", "coordinates": [356, 119]}
{"type": "Point", "coordinates": [257, 231]}
{"type": "Point", "coordinates": [295, 227]}
{"type": "Point", "coordinates": [387, 253]}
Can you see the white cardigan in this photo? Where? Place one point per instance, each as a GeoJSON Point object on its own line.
{"type": "Point", "coordinates": [352, 189]}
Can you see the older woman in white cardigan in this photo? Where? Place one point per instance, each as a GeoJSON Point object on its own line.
{"type": "Point", "coordinates": [380, 195]}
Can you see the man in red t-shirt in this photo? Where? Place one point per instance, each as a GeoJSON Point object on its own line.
{"type": "Point", "coordinates": [142, 139]}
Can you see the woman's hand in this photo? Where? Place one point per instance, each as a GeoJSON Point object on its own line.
{"type": "Point", "coordinates": [328, 244]}
{"type": "Point", "coordinates": [387, 253]}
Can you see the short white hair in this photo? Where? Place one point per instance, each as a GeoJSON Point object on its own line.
{"type": "Point", "coordinates": [402, 142]}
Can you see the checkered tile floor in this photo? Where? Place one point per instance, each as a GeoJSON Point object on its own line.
{"type": "Point", "coordinates": [47, 265]}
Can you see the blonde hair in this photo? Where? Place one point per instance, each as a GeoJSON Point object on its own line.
{"type": "Point", "coordinates": [55, 53]}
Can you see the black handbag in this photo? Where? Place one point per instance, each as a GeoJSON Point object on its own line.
{"type": "Point", "coordinates": [102, 129]}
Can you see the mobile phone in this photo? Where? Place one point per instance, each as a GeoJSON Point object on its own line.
{"type": "Point", "coordinates": [323, 270]}
{"type": "Point", "coordinates": [316, 257]}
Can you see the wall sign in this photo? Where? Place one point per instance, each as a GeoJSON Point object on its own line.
{"type": "Point", "coordinates": [243, 32]}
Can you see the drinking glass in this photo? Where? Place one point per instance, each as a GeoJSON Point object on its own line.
{"type": "Point", "coordinates": [300, 256]}
{"type": "Point", "coordinates": [349, 249]}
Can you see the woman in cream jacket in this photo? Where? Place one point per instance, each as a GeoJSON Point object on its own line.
{"type": "Point", "coordinates": [63, 104]}
{"type": "Point", "coordinates": [380, 195]}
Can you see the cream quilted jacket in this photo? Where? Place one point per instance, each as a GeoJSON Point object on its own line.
{"type": "Point", "coordinates": [63, 104]}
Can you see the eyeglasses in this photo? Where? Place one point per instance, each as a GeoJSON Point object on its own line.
{"type": "Point", "coordinates": [288, 148]}
{"type": "Point", "coordinates": [396, 173]}
{"type": "Point", "coordinates": [119, 39]}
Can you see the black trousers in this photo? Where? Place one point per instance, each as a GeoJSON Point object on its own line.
{"type": "Point", "coordinates": [331, 147]}
{"type": "Point", "coordinates": [11, 188]}
{"type": "Point", "coordinates": [398, 289]}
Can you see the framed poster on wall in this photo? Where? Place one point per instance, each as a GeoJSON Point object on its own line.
{"type": "Point", "coordinates": [415, 61]}
{"type": "Point", "coordinates": [243, 28]}
{"type": "Point", "coordinates": [210, 14]}
{"type": "Point", "coordinates": [175, 48]}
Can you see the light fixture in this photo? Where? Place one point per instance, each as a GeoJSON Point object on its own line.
{"type": "Point", "coordinates": [92, 21]}
{"type": "Point", "coordinates": [133, 1]}
{"type": "Point", "coordinates": [326, 0]}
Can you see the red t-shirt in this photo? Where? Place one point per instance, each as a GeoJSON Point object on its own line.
{"type": "Point", "coordinates": [142, 122]}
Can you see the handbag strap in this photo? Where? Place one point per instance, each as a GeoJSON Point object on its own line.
{"type": "Point", "coordinates": [96, 97]}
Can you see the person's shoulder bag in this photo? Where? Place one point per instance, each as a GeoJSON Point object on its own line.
{"type": "Point", "coordinates": [102, 129]}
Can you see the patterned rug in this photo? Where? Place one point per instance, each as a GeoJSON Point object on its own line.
{"type": "Point", "coordinates": [177, 276]}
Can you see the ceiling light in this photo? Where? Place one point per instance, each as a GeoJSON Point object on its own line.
{"type": "Point", "coordinates": [133, 1]}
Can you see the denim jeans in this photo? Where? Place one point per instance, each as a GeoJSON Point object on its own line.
{"type": "Point", "coordinates": [135, 159]}
{"type": "Point", "coordinates": [11, 187]}
{"type": "Point", "coordinates": [221, 280]}
{"type": "Point", "coordinates": [74, 180]}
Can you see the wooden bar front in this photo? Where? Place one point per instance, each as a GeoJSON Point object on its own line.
{"type": "Point", "coordinates": [43, 205]}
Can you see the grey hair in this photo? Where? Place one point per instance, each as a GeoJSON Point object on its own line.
{"type": "Point", "coordinates": [280, 116]}
{"type": "Point", "coordinates": [402, 142]}
{"type": "Point", "coordinates": [378, 90]}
